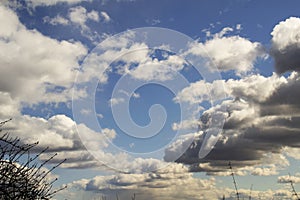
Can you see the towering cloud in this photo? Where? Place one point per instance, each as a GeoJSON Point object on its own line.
{"type": "Point", "coordinates": [261, 119]}
{"type": "Point", "coordinates": [262, 114]}
{"type": "Point", "coordinates": [286, 45]}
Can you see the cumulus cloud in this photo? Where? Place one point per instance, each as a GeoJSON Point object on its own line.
{"type": "Point", "coordinates": [75, 159]}
{"type": "Point", "coordinates": [79, 15]}
{"type": "Point", "coordinates": [265, 171]}
{"type": "Point", "coordinates": [60, 134]}
{"type": "Point", "coordinates": [38, 69]}
{"type": "Point", "coordinates": [261, 117]}
{"type": "Point", "coordinates": [201, 91]}
{"type": "Point", "coordinates": [286, 45]}
{"type": "Point", "coordinates": [148, 68]}
{"type": "Point", "coordinates": [37, 64]}
{"type": "Point", "coordinates": [288, 179]}
{"type": "Point", "coordinates": [139, 61]}
{"type": "Point", "coordinates": [155, 185]}
{"type": "Point", "coordinates": [135, 59]}
{"type": "Point", "coordinates": [157, 70]}
{"type": "Point", "coordinates": [180, 146]}
{"type": "Point", "coordinates": [8, 106]}
{"type": "Point", "coordinates": [229, 52]}
{"type": "Point", "coordinates": [167, 184]}
{"type": "Point", "coordinates": [254, 88]}
{"type": "Point", "coordinates": [262, 114]}
{"type": "Point", "coordinates": [96, 64]}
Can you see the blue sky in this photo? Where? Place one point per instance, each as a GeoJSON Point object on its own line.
{"type": "Point", "coordinates": [131, 92]}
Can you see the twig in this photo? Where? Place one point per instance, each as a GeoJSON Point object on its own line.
{"type": "Point", "coordinates": [234, 182]}
{"type": "Point", "coordinates": [293, 188]}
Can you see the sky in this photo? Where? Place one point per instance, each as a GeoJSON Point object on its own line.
{"type": "Point", "coordinates": [156, 98]}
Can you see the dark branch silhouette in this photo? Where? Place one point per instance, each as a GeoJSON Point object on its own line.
{"type": "Point", "coordinates": [22, 176]}
{"type": "Point", "coordinates": [294, 193]}
{"type": "Point", "coordinates": [234, 182]}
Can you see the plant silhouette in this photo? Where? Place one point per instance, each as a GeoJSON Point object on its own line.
{"type": "Point", "coordinates": [22, 176]}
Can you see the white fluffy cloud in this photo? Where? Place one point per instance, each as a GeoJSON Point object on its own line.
{"type": "Point", "coordinates": [254, 88]}
{"type": "Point", "coordinates": [201, 91]}
{"type": "Point", "coordinates": [58, 133]}
{"type": "Point", "coordinates": [79, 15]}
{"type": "Point", "coordinates": [37, 64]}
{"type": "Point", "coordinates": [286, 45]}
{"type": "Point", "coordinates": [229, 52]}
{"type": "Point", "coordinates": [153, 69]}
{"type": "Point", "coordinates": [81, 18]}
{"type": "Point", "coordinates": [286, 33]}
{"type": "Point", "coordinates": [124, 48]}
{"type": "Point", "coordinates": [180, 146]}
{"type": "Point", "coordinates": [265, 171]}
{"type": "Point", "coordinates": [38, 69]}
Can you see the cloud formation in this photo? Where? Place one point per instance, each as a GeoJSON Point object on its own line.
{"type": "Point", "coordinates": [81, 18]}
{"type": "Point", "coordinates": [286, 45]}
{"type": "Point", "coordinates": [229, 52]}
{"type": "Point", "coordinates": [262, 113]}
{"type": "Point", "coordinates": [79, 15]}
{"type": "Point", "coordinates": [261, 117]}
{"type": "Point", "coordinates": [258, 121]}
{"type": "Point", "coordinates": [172, 183]}
{"type": "Point", "coordinates": [39, 65]}
{"type": "Point", "coordinates": [288, 179]}
{"type": "Point", "coordinates": [162, 184]}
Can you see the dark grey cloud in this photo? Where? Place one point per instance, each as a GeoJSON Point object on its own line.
{"type": "Point", "coordinates": [287, 94]}
{"type": "Point", "coordinates": [285, 45]}
{"type": "Point", "coordinates": [248, 136]}
{"type": "Point", "coordinates": [263, 118]}
{"type": "Point", "coordinates": [287, 60]}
